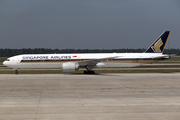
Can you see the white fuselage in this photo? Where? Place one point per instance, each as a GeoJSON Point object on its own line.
{"type": "Point", "coordinates": [56, 60]}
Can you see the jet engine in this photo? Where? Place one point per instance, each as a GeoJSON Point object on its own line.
{"type": "Point", "coordinates": [70, 67]}
{"type": "Point", "coordinates": [100, 64]}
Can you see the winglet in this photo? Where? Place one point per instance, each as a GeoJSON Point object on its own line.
{"type": "Point", "coordinates": [159, 45]}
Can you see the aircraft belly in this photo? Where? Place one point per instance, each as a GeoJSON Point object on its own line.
{"type": "Point", "coordinates": [142, 61]}
{"type": "Point", "coordinates": [40, 65]}
{"type": "Point", "coordinates": [113, 64]}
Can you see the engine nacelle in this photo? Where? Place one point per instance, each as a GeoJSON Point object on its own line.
{"type": "Point", "coordinates": [100, 64]}
{"type": "Point", "coordinates": [70, 67]}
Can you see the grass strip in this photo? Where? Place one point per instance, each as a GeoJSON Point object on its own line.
{"type": "Point", "coordinates": [81, 71]}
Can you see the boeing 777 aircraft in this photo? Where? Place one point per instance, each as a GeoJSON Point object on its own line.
{"type": "Point", "coordinates": [72, 62]}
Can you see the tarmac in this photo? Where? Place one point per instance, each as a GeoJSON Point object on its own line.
{"type": "Point", "coordinates": [127, 96]}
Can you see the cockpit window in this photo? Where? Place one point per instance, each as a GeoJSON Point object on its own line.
{"type": "Point", "coordinates": [8, 60]}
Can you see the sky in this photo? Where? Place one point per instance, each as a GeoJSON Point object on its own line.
{"type": "Point", "coordinates": [88, 24]}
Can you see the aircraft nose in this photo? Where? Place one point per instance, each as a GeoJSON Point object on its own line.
{"type": "Point", "coordinates": [4, 63]}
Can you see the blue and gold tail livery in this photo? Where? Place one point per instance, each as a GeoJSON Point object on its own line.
{"type": "Point", "coordinates": [159, 45]}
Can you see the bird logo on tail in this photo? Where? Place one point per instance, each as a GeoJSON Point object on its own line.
{"type": "Point", "coordinates": [157, 46]}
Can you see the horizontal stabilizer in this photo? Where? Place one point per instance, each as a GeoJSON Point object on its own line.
{"type": "Point", "coordinates": [158, 57]}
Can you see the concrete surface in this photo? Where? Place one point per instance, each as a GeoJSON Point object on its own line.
{"type": "Point", "coordinates": [90, 97]}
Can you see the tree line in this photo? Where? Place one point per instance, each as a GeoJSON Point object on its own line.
{"type": "Point", "coordinates": [13, 52]}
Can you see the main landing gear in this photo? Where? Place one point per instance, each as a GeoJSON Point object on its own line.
{"type": "Point", "coordinates": [89, 70]}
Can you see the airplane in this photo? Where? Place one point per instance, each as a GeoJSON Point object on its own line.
{"type": "Point", "coordinates": [72, 62]}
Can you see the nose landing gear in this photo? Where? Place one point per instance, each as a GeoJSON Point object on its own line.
{"type": "Point", "coordinates": [16, 71]}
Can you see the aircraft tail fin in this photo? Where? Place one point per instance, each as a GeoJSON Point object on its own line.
{"type": "Point", "coordinates": [159, 45]}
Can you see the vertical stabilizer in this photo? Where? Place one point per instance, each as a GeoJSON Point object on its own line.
{"type": "Point", "coordinates": [159, 45]}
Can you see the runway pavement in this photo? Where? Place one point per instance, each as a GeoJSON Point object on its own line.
{"type": "Point", "coordinates": [126, 96]}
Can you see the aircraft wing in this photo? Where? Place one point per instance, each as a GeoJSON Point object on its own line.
{"type": "Point", "coordinates": [93, 62]}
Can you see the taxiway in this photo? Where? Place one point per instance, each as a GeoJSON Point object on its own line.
{"type": "Point", "coordinates": [129, 96]}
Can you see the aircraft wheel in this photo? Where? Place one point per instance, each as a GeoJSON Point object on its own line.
{"type": "Point", "coordinates": [92, 72]}
{"type": "Point", "coordinates": [89, 72]}
{"type": "Point", "coordinates": [16, 72]}
{"type": "Point", "coordinates": [85, 72]}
